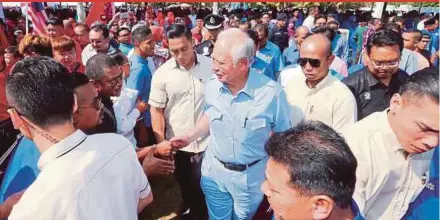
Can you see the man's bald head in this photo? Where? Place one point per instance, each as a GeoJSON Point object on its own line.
{"type": "Point", "coordinates": [315, 58]}
{"type": "Point", "coordinates": [317, 43]}
{"type": "Point", "coordinates": [302, 30]}
{"type": "Point", "coordinates": [300, 34]}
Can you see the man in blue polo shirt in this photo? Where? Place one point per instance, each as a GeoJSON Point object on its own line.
{"type": "Point", "coordinates": [140, 77]}
{"type": "Point", "coordinates": [311, 174]}
{"type": "Point", "coordinates": [268, 60]}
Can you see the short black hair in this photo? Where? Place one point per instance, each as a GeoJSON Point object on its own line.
{"type": "Point", "coordinates": [54, 21]}
{"type": "Point", "coordinates": [179, 30]}
{"type": "Point", "coordinates": [332, 16]}
{"type": "Point", "coordinates": [79, 79]}
{"type": "Point", "coordinates": [96, 64]}
{"type": "Point", "coordinates": [119, 58]}
{"type": "Point", "coordinates": [99, 27]}
{"type": "Point", "coordinates": [253, 36]}
{"type": "Point", "coordinates": [393, 26]}
{"type": "Point", "coordinates": [319, 17]}
{"type": "Point", "coordinates": [424, 82]}
{"type": "Point", "coordinates": [318, 159]}
{"type": "Point", "coordinates": [326, 31]}
{"type": "Point", "coordinates": [373, 21]}
{"type": "Point", "coordinates": [40, 89]}
{"type": "Point", "coordinates": [418, 34]}
{"type": "Point", "coordinates": [262, 27]}
{"type": "Point", "coordinates": [399, 19]}
{"type": "Point", "coordinates": [140, 34]}
{"type": "Point", "coordinates": [384, 38]}
{"type": "Point", "coordinates": [122, 29]}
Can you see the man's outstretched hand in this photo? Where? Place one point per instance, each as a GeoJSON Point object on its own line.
{"type": "Point", "coordinates": [180, 141]}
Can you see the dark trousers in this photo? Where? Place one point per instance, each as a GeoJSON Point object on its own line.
{"type": "Point", "coordinates": [188, 174]}
{"type": "Point", "coordinates": [8, 136]}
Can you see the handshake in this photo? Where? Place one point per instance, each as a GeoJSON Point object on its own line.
{"type": "Point", "coordinates": [158, 160]}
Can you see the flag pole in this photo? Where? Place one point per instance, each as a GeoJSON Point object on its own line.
{"type": "Point", "coordinates": [27, 18]}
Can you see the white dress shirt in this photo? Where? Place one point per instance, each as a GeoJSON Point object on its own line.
{"type": "Point", "coordinates": [181, 93]}
{"type": "Point", "coordinates": [309, 22]}
{"type": "Point", "coordinates": [330, 102]}
{"type": "Point", "coordinates": [96, 177]}
{"type": "Point", "coordinates": [288, 73]}
{"type": "Point", "coordinates": [126, 113]}
{"type": "Point", "coordinates": [387, 181]}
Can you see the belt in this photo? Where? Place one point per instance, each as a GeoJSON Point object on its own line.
{"type": "Point", "coordinates": [237, 167]}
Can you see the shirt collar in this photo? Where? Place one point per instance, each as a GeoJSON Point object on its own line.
{"type": "Point", "coordinates": [388, 134]}
{"type": "Point", "coordinates": [371, 79]}
{"type": "Point", "coordinates": [59, 149]}
{"type": "Point", "coordinates": [138, 58]}
{"type": "Point", "coordinates": [324, 82]}
{"type": "Point", "coordinates": [355, 209]}
{"type": "Point", "coordinates": [248, 88]}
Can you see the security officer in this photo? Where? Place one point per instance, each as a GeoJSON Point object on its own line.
{"type": "Point", "coordinates": [214, 24]}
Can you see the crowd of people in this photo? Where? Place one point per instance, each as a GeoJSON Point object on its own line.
{"type": "Point", "coordinates": [278, 114]}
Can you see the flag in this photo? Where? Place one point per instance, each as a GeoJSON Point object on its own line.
{"type": "Point", "coordinates": [37, 16]}
{"type": "Point", "coordinates": [98, 9]}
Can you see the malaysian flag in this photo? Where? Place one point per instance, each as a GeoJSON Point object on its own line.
{"type": "Point", "coordinates": [37, 16]}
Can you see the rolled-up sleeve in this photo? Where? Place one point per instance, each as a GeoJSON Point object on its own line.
{"type": "Point", "coordinates": [158, 95]}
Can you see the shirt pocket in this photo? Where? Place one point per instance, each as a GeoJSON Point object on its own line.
{"type": "Point", "coordinates": [254, 131]}
{"type": "Point", "coordinates": [254, 124]}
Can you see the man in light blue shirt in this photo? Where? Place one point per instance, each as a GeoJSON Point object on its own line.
{"type": "Point", "coordinates": [268, 60]}
{"type": "Point", "coordinates": [291, 54]}
{"type": "Point", "coordinates": [140, 76]}
{"type": "Point", "coordinates": [339, 43]}
{"type": "Point", "coordinates": [242, 109]}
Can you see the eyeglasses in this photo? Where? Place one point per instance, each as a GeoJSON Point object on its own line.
{"type": "Point", "coordinates": [97, 104]}
{"type": "Point", "coordinates": [113, 82]}
{"type": "Point", "coordinates": [315, 63]}
{"type": "Point", "coordinates": [383, 64]}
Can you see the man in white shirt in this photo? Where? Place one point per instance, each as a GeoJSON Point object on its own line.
{"type": "Point", "coordinates": [394, 148]}
{"type": "Point", "coordinates": [177, 100]}
{"type": "Point", "coordinates": [315, 94]}
{"type": "Point", "coordinates": [309, 21]}
{"type": "Point", "coordinates": [78, 179]}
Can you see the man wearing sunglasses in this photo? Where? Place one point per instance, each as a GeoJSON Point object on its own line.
{"type": "Point", "coordinates": [374, 85]}
{"type": "Point", "coordinates": [314, 93]}
{"type": "Point", "coordinates": [107, 77]}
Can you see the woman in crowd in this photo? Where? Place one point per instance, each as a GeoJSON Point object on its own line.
{"type": "Point", "coordinates": [63, 49]}
{"type": "Point", "coordinates": [35, 45]}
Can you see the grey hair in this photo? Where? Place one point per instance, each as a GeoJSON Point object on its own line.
{"type": "Point", "coordinates": [242, 46]}
{"type": "Point", "coordinates": [96, 64]}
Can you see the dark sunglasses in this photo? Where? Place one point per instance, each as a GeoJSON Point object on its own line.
{"type": "Point", "coordinates": [315, 63]}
